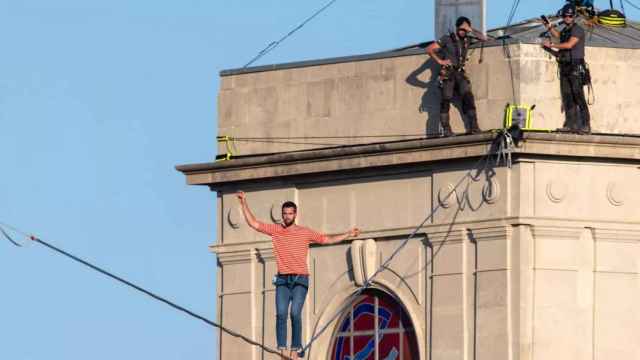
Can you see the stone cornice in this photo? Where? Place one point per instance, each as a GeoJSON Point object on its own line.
{"type": "Point", "coordinates": [609, 146]}
{"type": "Point", "coordinates": [616, 235]}
{"type": "Point", "coordinates": [266, 254]}
{"type": "Point", "coordinates": [492, 233]}
{"type": "Point", "coordinates": [359, 157]}
{"type": "Point", "coordinates": [557, 232]}
{"type": "Point", "coordinates": [456, 235]}
{"type": "Point", "coordinates": [239, 246]}
{"type": "Point", "coordinates": [237, 253]}
{"type": "Point", "coordinates": [236, 257]}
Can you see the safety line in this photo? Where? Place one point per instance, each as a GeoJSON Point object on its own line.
{"type": "Point", "coordinates": [383, 266]}
{"type": "Point", "coordinates": [275, 44]}
{"type": "Point", "coordinates": [507, 51]}
{"type": "Point", "coordinates": [138, 288]}
{"type": "Point", "coordinates": [285, 142]}
{"type": "Point", "coordinates": [325, 137]}
{"type": "Point", "coordinates": [514, 9]}
{"type": "Point", "coordinates": [366, 285]}
{"type": "Point", "coordinates": [632, 4]}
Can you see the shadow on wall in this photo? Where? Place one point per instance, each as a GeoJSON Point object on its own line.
{"type": "Point", "coordinates": [483, 172]}
{"type": "Point", "coordinates": [430, 100]}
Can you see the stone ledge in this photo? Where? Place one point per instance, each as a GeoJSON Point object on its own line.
{"type": "Point", "coordinates": [421, 151]}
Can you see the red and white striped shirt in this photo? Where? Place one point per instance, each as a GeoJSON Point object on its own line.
{"type": "Point", "coordinates": [291, 246]}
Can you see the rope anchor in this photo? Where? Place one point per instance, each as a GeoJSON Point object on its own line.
{"type": "Point", "coordinates": [228, 146]}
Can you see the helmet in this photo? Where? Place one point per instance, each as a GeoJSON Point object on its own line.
{"type": "Point", "coordinates": [461, 20]}
{"type": "Point", "coordinates": [568, 9]}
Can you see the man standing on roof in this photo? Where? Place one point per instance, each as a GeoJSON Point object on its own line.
{"type": "Point", "coordinates": [574, 74]}
{"type": "Point", "coordinates": [451, 52]}
{"type": "Point", "coordinates": [291, 246]}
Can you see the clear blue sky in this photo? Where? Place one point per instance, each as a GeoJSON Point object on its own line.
{"type": "Point", "coordinates": [98, 101]}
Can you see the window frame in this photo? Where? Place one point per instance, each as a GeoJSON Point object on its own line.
{"type": "Point", "coordinates": [401, 330]}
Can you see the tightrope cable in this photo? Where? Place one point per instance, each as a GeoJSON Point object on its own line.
{"type": "Point", "coordinates": [633, 5]}
{"type": "Point", "coordinates": [136, 287]}
{"type": "Point", "coordinates": [496, 147]}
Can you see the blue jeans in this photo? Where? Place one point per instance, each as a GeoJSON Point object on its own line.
{"type": "Point", "coordinates": [290, 289]}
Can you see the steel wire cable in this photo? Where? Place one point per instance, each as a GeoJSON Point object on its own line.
{"type": "Point", "coordinates": [633, 5]}
{"type": "Point", "coordinates": [467, 176]}
{"type": "Point", "coordinates": [133, 286]}
{"type": "Point", "coordinates": [326, 137]}
{"type": "Point", "coordinates": [275, 44]}
{"type": "Point", "coordinates": [289, 140]}
{"type": "Point", "coordinates": [512, 13]}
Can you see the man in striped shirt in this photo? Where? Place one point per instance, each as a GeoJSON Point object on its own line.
{"type": "Point", "coordinates": [290, 246]}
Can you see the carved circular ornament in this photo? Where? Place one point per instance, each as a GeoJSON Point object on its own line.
{"type": "Point", "coordinates": [233, 217]}
{"type": "Point", "coordinates": [447, 195]}
{"type": "Point", "coordinates": [276, 214]}
{"type": "Point", "coordinates": [556, 191]}
{"type": "Point", "coordinates": [491, 191]}
{"type": "Point", "coordinates": [615, 194]}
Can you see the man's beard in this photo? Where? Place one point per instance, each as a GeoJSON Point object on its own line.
{"type": "Point", "coordinates": [289, 223]}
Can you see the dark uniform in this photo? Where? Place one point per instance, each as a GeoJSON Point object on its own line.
{"type": "Point", "coordinates": [454, 80]}
{"type": "Point", "coordinates": [572, 81]}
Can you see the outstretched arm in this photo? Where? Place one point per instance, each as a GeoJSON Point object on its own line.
{"type": "Point", "coordinates": [248, 215]}
{"type": "Point", "coordinates": [341, 237]}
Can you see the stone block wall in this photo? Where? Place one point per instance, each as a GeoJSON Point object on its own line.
{"type": "Point", "coordinates": [400, 96]}
{"type": "Point", "coordinates": [536, 262]}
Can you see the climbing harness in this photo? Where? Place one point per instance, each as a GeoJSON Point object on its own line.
{"type": "Point", "coordinates": [505, 145]}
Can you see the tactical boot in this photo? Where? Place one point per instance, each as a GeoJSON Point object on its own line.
{"type": "Point", "coordinates": [446, 126]}
{"type": "Point", "coordinates": [571, 120]}
{"type": "Point", "coordinates": [473, 122]}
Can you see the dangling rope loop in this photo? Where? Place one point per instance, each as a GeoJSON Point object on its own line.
{"type": "Point", "coordinates": [505, 145]}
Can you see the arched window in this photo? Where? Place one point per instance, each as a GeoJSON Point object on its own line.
{"type": "Point", "coordinates": [361, 335]}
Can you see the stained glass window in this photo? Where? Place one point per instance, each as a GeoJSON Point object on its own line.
{"type": "Point", "coordinates": [376, 327]}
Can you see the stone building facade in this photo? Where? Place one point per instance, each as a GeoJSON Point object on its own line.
{"type": "Point", "coordinates": [539, 260]}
